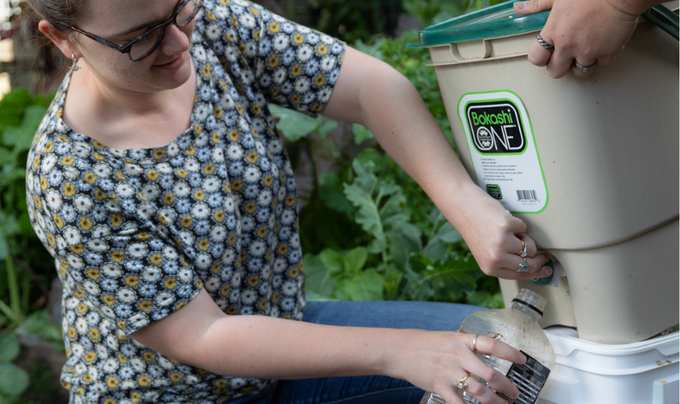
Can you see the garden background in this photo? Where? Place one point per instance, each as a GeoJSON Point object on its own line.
{"type": "Point", "coordinates": [368, 231]}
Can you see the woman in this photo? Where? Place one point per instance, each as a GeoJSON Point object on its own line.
{"type": "Point", "coordinates": [159, 183]}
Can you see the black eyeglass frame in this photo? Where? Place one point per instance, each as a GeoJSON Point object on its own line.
{"type": "Point", "coordinates": [126, 48]}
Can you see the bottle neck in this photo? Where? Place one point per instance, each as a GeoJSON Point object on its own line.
{"type": "Point", "coordinates": [526, 308]}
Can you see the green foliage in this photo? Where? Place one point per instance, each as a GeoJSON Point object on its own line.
{"type": "Point", "coordinates": [13, 380]}
{"type": "Point", "coordinates": [434, 11]}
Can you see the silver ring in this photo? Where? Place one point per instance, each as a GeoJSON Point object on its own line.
{"type": "Point", "coordinates": [583, 69]}
{"type": "Point", "coordinates": [474, 345]}
{"type": "Point", "coordinates": [544, 43]}
{"type": "Point", "coordinates": [523, 266]}
{"type": "Point", "coordinates": [523, 254]}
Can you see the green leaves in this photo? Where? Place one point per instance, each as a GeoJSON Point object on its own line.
{"type": "Point", "coordinates": [13, 380]}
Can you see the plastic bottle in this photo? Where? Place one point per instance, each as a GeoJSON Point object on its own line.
{"type": "Point", "coordinates": [518, 327]}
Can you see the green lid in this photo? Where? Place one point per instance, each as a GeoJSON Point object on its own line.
{"type": "Point", "coordinates": [491, 22]}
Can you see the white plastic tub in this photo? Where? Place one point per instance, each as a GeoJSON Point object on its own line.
{"type": "Point", "coordinates": [644, 372]}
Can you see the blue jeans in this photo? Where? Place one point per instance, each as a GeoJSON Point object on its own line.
{"type": "Point", "coordinates": [364, 389]}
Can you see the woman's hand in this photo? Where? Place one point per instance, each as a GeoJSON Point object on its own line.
{"type": "Point", "coordinates": [434, 361]}
{"type": "Point", "coordinates": [496, 238]}
{"type": "Point", "coordinates": [590, 32]}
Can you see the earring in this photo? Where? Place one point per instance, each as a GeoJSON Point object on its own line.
{"type": "Point", "coordinates": [74, 64]}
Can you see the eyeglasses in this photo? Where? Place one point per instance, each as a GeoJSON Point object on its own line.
{"type": "Point", "coordinates": [148, 42]}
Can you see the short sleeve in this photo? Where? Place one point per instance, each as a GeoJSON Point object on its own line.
{"type": "Point", "coordinates": [294, 66]}
{"type": "Point", "coordinates": [112, 246]}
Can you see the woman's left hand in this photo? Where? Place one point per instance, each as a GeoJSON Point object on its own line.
{"type": "Point", "coordinates": [497, 239]}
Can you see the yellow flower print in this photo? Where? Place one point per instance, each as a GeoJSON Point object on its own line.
{"type": "Point", "coordinates": [182, 173]}
{"type": "Point", "coordinates": [232, 239]}
{"type": "Point", "coordinates": [170, 283]}
{"type": "Point", "coordinates": [180, 305]}
{"type": "Point", "coordinates": [143, 381]}
{"type": "Point", "coordinates": [116, 220]}
{"type": "Point", "coordinates": [239, 108]}
{"type": "Point", "coordinates": [290, 200]}
{"type": "Point", "coordinates": [175, 377]}
{"type": "Point", "coordinates": [94, 333]}
{"type": "Point", "coordinates": [296, 70]}
{"type": "Point", "coordinates": [156, 259]}
{"type": "Point", "coordinates": [71, 332]}
{"type": "Point", "coordinates": [293, 272]}
{"type": "Point", "coordinates": [232, 310]}
{"type": "Point", "coordinates": [205, 70]}
{"type": "Point", "coordinates": [298, 38]}
{"type": "Point", "coordinates": [67, 160]}
{"type": "Point", "coordinates": [77, 248]}
{"type": "Point", "coordinates": [117, 255]}
{"type": "Point", "coordinates": [186, 221]}
{"type": "Point", "coordinates": [108, 299]}
{"type": "Point", "coordinates": [109, 401]}
{"type": "Point", "coordinates": [87, 378]}
{"type": "Point", "coordinates": [112, 382]}
{"type": "Point", "coordinates": [79, 292]}
{"type": "Point", "coordinates": [149, 356]}
{"type": "Point", "coordinates": [159, 154]}
{"type": "Point", "coordinates": [250, 207]}
{"type": "Point", "coordinates": [234, 135]}
{"type": "Point", "coordinates": [145, 305]}
{"type": "Point", "coordinates": [203, 244]}
{"type": "Point", "coordinates": [215, 137]}
{"type": "Point", "coordinates": [273, 61]}
{"type": "Point", "coordinates": [98, 156]}
{"type": "Point", "coordinates": [198, 194]}
{"type": "Point", "coordinates": [43, 182]}
{"type": "Point", "coordinates": [93, 273]}
{"type": "Point", "coordinates": [90, 178]}
{"type": "Point", "coordinates": [256, 109]}
{"type": "Point", "coordinates": [283, 249]}
{"type": "Point", "coordinates": [295, 99]}
{"type": "Point", "coordinates": [209, 168]}
{"type": "Point", "coordinates": [317, 107]}
{"type": "Point", "coordinates": [50, 238]}
{"type": "Point", "coordinates": [322, 49]}
{"type": "Point", "coordinates": [274, 27]}
{"type": "Point", "coordinates": [252, 157]}
{"type": "Point", "coordinates": [152, 174]}
{"type": "Point", "coordinates": [168, 198]}
{"type": "Point", "coordinates": [58, 222]}
{"type": "Point", "coordinates": [253, 280]}
{"type": "Point", "coordinates": [224, 292]}
{"type": "Point", "coordinates": [277, 297]}
{"type": "Point", "coordinates": [48, 147]}
{"type": "Point", "coordinates": [132, 280]}
{"type": "Point", "coordinates": [143, 236]}
{"type": "Point", "coordinates": [219, 215]}
{"type": "Point", "coordinates": [319, 80]}
{"type": "Point", "coordinates": [82, 308]}
{"type": "Point", "coordinates": [236, 185]}
{"type": "Point", "coordinates": [90, 356]}
{"type": "Point", "coordinates": [217, 111]}
{"type": "Point", "coordinates": [69, 189]}
{"type": "Point", "coordinates": [262, 304]}
{"type": "Point", "coordinates": [262, 231]}
{"type": "Point", "coordinates": [216, 267]}
{"type": "Point", "coordinates": [239, 87]}
{"type": "Point", "coordinates": [136, 396]}
{"type": "Point", "coordinates": [85, 223]}
{"type": "Point", "coordinates": [119, 175]}
{"type": "Point", "coordinates": [254, 11]}
{"type": "Point", "coordinates": [190, 150]}
{"type": "Point", "coordinates": [234, 21]}
{"type": "Point", "coordinates": [268, 180]}
{"type": "Point", "coordinates": [99, 194]}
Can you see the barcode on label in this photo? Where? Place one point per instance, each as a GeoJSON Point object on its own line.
{"type": "Point", "coordinates": [529, 379]}
{"type": "Point", "coordinates": [527, 195]}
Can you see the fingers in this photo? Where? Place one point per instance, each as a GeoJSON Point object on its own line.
{"type": "Point", "coordinates": [484, 394]}
{"type": "Point", "coordinates": [532, 6]}
{"type": "Point", "coordinates": [539, 55]}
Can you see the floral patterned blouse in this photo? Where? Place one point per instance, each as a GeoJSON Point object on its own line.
{"type": "Point", "coordinates": [137, 233]}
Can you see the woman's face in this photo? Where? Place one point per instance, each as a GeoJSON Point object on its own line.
{"type": "Point", "coordinates": [120, 21]}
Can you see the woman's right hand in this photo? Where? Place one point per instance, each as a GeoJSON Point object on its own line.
{"type": "Point", "coordinates": [434, 361]}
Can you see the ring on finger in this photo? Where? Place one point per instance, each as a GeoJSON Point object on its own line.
{"type": "Point", "coordinates": [583, 69]}
{"type": "Point", "coordinates": [474, 345]}
{"type": "Point", "coordinates": [544, 43]}
{"type": "Point", "coordinates": [462, 382]}
{"type": "Point", "coordinates": [523, 266]}
{"type": "Point", "coordinates": [522, 248]}
{"type": "Point", "coordinates": [523, 254]}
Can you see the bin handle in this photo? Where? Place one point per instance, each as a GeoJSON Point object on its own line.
{"type": "Point", "coordinates": [664, 18]}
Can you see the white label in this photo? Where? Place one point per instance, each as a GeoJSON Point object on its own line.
{"type": "Point", "coordinates": [503, 151]}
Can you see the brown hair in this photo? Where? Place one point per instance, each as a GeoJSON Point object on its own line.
{"type": "Point", "coordinates": [62, 14]}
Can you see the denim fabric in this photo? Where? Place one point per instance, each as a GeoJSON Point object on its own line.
{"type": "Point", "coordinates": [364, 389]}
